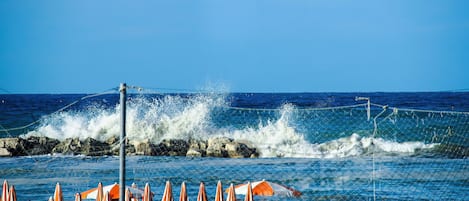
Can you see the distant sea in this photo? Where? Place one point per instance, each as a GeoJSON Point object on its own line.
{"type": "Point", "coordinates": [321, 144]}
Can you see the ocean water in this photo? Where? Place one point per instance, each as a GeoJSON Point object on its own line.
{"type": "Point", "coordinates": [407, 146]}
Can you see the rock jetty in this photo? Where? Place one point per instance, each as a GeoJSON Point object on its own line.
{"type": "Point", "coordinates": [213, 147]}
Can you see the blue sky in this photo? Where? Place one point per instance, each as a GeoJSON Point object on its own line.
{"type": "Point", "coordinates": [245, 46]}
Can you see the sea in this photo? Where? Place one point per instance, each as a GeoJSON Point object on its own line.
{"type": "Point", "coordinates": [328, 146]}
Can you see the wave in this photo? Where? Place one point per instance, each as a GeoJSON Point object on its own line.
{"type": "Point", "coordinates": [178, 117]}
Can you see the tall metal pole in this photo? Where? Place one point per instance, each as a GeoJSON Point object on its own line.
{"type": "Point", "coordinates": [123, 98]}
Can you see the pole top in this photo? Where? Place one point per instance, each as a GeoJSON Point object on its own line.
{"type": "Point", "coordinates": [122, 87]}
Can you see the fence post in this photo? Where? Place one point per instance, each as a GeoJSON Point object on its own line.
{"type": "Point", "coordinates": [123, 94]}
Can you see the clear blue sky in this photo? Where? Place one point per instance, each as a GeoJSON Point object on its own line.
{"type": "Point", "coordinates": [246, 46]}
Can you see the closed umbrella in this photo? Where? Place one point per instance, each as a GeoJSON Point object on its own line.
{"type": "Point", "coordinates": [231, 194]}
{"type": "Point", "coordinates": [12, 194]}
{"type": "Point", "coordinates": [219, 193]}
{"type": "Point", "coordinates": [202, 194]}
{"type": "Point", "coordinates": [147, 196]}
{"type": "Point", "coordinates": [58, 195]}
{"type": "Point", "coordinates": [77, 197]}
{"type": "Point", "coordinates": [183, 194]}
{"type": "Point", "coordinates": [5, 192]}
{"type": "Point", "coordinates": [107, 197]}
{"type": "Point", "coordinates": [168, 192]}
{"type": "Point", "coordinates": [249, 196]}
{"type": "Point", "coordinates": [127, 194]}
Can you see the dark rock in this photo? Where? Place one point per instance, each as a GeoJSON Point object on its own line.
{"type": "Point", "coordinates": [92, 147]}
{"type": "Point", "coordinates": [70, 146]}
{"type": "Point", "coordinates": [40, 145]}
{"type": "Point", "coordinates": [197, 148]}
{"type": "Point", "coordinates": [145, 148]}
{"type": "Point", "coordinates": [174, 147]}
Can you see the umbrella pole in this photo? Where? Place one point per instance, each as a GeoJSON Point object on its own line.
{"type": "Point", "coordinates": [122, 142]}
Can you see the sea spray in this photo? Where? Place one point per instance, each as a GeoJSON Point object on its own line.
{"type": "Point", "coordinates": [275, 133]}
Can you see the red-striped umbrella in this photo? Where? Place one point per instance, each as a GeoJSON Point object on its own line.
{"type": "Point", "coordinates": [114, 192]}
{"type": "Point", "coordinates": [183, 194]}
{"type": "Point", "coordinates": [249, 196]}
{"type": "Point", "coordinates": [147, 196]}
{"type": "Point", "coordinates": [12, 194]}
{"type": "Point", "coordinates": [202, 194]}
{"type": "Point", "coordinates": [168, 192]}
{"type": "Point", "coordinates": [58, 195]}
{"type": "Point", "coordinates": [77, 197]}
{"type": "Point", "coordinates": [107, 196]}
{"type": "Point", "coordinates": [231, 194]}
{"type": "Point", "coordinates": [5, 192]}
{"type": "Point", "coordinates": [219, 193]}
{"type": "Point", "coordinates": [127, 194]}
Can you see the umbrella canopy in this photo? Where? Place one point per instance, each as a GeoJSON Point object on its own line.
{"type": "Point", "coordinates": [77, 197]}
{"type": "Point", "coordinates": [231, 194]}
{"type": "Point", "coordinates": [5, 192]}
{"type": "Point", "coordinates": [183, 194]}
{"type": "Point", "coordinates": [249, 196]}
{"type": "Point", "coordinates": [219, 193]}
{"type": "Point", "coordinates": [168, 192]}
{"type": "Point", "coordinates": [147, 195]}
{"type": "Point", "coordinates": [58, 195]}
{"type": "Point", "coordinates": [113, 189]}
{"type": "Point", "coordinates": [202, 194]}
{"type": "Point", "coordinates": [12, 194]}
{"type": "Point", "coordinates": [267, 188]}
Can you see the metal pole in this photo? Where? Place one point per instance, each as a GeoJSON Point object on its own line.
{"type": "Point", "coordinates": [123, 98]}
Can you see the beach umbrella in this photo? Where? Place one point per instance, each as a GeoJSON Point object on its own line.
{"type": "Point", "coordinates": [231, 194]}
{"type": "Point", "coordinates": [249, 196]}
{"type": "Point", "coordinates": [107, 196]}
{"type": "Point", "coordinates": [77, 197]}
{"type": "Point", "coordinates": [58, 195]}
{"type": "Point", "coordinates": [5, 192]}
{"type": "Point", "coordinates": [202, 195]}
{"type": "Point", "coordinates": [183, 194]}
{"type": "Point", "coordinates": [127, 194]}
{"type": "Point", "coordinates": [267, 188]}
{"type": "Point", "coordinates": [12, 194]}
{"type": "Point", "coordinates": [147, 195]}
{"type": "Point", "coordinates": [51, 198]}
{"type": "Point", "coordinates": [168, 192]}
{"type": "Point", "coordinates": [113, 192]}
{"type": "Point", "coordinates": [219, 193]}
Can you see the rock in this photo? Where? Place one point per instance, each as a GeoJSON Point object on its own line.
{"type": "Point", "coordinates": [145, 148]}
{"type": "Point", "coordinates": [70, 146]}
{"type": "Point", "coordinates": [174, 147]}
{"type": "Point", "coordinates": [40, 145]}
{"type": "Point", "coordinates": [12, 147]}
{"type": "Point", "coordinates": [92, 147]}
{"type": "Point", "coordinates": [216, 147]}
{"type": "Point", "coordinates": [194, 153]}
{"type": "Point", "coordinates": [240, 150]}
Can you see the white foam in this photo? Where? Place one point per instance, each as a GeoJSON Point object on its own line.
{"type": "Point", "coordinates": [175, 117]}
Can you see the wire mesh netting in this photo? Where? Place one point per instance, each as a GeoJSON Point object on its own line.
{"type": "Point", "coordinates": [355, 152]}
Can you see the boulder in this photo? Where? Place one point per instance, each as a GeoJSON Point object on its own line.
{"type": "Point", "coordinates": [197, 148]}
{"type": "Point", "coordinates": [70, 146]}
{"type": "Point", "coordinates": [173, 147]}
{"type": "Point", "coordinates": [240, 150]}
{"type": "Point", "coordinates": [40, 145]}
{"type": "Point", "coordinates": [216, 147]}
{"type": "Point", "coordinates": [12, 147]}
{"type": "Point", "coordinates": [92, 147]}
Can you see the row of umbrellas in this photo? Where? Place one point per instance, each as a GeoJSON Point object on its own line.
{"type": "Point", "coordinates": [132, 193]}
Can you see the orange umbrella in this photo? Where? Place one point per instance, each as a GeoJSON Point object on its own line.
{"type": "Point", "coordinates": [99, 193]}
{"type": "Point", "coordinates": [202, 195]}
{"type": "Point", "coordinates": [231, 194]}
{"type": "Point", "coordinates": [248, 196]}
{"type": "Point", "coordinates": [58, 195]}
{"type": "Point", "coordinates": [77, 197]}
{"type": "Point", "coordinates": [5, 192]}
{"type": "Point", "coordinates": [267, 188]}
{"type": "Point", "coordinates": [168, 192]}
{"type": "Point", "coordinates": [12, 195]}
{"type": "Point", "coordinates": [147, 196]}
{"type": "Point", "coordinates": [113, 192]}
{"type": "Point", "coordinates": [219, 193]}
{"type": "Point", "coordinates": [183, 194]}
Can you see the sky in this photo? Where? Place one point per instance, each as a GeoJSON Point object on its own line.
{"type": "Point", "coordinates": [240, 46]}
